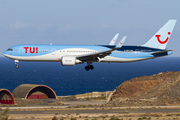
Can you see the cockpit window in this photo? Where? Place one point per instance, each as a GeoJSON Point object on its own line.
{"type": "Point", "coordinates": [9, 49]}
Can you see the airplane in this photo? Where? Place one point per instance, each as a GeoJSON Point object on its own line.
{"type": "Point", "coordinates": [70, 55]}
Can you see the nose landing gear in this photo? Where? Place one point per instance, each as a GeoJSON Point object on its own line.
{"type": "Point", "coordinates": [16, 62]}
{"type": "Point", "coordinates": [17, 66]}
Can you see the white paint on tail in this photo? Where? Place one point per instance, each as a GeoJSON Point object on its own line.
{"type": "Point", "coordinates": [161, 38]}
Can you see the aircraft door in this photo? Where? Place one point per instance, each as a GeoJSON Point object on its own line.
{"type": "Point", "coordinates": [20, 51]}
{"type": "Point", "coordinates": [137, 52]}
{"type": "Point", "coordinates": [53, 50]}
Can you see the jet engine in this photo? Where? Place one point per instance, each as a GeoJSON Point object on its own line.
{"type": "Point", "coordinates": [70, 61]}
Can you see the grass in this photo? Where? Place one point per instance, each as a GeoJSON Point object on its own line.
{"type": "Point", "coordinates": [3, 115]}
{"type": "Point", "coordinates": [57, 103]}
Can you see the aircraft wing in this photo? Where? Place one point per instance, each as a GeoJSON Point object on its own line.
{"type": "Point", "coordinates": [101, 54]}
{"type": "Point", "coordinates": [112, 42]}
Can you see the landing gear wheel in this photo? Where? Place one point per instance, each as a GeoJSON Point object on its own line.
{"type": "Point", "coordinates": [17, 66]}
{"type": "Point", "coordinates": [87, 68]}
{"type": "Point", "coordinates": [16, 62]}
{"type": "Point", "coordinates": [91, 67]}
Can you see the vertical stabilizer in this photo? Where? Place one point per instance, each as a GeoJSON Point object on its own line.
{"type": "Point", "coordinates": [112, 42]}
{"type": "Point", "coordinates": [161, 38]}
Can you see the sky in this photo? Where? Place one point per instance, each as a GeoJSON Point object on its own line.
{"type": "Point", "coordinates": [88, 22]}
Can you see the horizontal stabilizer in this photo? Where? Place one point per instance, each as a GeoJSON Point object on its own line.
{"type": "Point", "coordinates": [160, 52]}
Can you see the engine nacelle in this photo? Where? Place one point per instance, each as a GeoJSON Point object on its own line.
{"type": "Point", "coordinates": [70, 60]}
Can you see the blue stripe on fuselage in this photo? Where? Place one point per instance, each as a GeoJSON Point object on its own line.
{"type": "Point", "coordinates": [134, 48]}
{"type": "Point", "coordinates": [131, 51]}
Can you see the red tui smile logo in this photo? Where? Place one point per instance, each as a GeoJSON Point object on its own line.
{"type": "Point", "coordinates": [162, 42]}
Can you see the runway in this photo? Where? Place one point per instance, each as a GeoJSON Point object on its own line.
{"type": "Point", "coordinates": [96, 111]}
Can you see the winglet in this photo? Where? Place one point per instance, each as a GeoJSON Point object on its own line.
{"type": "Point", "coordinates": [119, 45]}
{"type": "Point", "coordinates": [112, 42]}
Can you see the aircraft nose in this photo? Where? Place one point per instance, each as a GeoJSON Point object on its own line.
{"type": "Point", "coordinates": [5, 53]}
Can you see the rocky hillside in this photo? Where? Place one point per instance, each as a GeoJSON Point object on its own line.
{"type": "Point", "coordinates": [160, 89]}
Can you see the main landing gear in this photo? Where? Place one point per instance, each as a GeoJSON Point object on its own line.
{"type": "Point", "coordinates": [16, 62]}
{"type": "Point", "coordinates": [89, 67]}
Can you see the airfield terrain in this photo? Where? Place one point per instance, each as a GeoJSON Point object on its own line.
{"type": "Point", "coordinates": [147, 97]}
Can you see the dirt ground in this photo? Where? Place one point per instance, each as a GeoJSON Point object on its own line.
{"type": "Point", "coordinates": [134, 116]}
